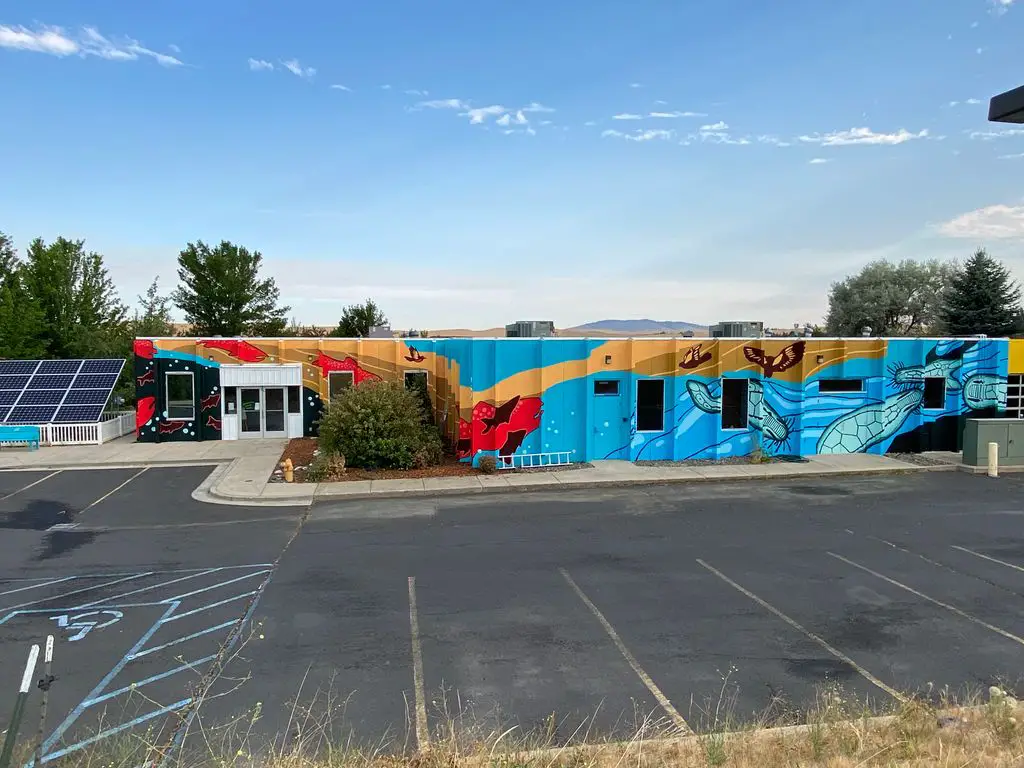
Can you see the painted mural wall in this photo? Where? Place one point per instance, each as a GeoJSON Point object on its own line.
{"type": "Point", "coordinates": [649, 399]}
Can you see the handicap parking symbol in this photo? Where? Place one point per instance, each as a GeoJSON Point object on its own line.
{"type": "Point", "coordinates": [84, 623]}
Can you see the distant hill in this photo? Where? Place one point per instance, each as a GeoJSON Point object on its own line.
{"type": "Point", "coordinates": [646, 327]}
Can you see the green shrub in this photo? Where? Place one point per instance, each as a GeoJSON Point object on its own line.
{"type": "Point", "coordinates": [380, 425]}
{"type": "Point", "coordinates": [487, 464]}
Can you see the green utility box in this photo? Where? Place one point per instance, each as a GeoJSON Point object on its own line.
{"type": "Point", "coordinates": [1007, 433]}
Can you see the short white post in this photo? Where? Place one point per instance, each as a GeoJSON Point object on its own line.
{"type": "Point", "coordinates": [993, 459]}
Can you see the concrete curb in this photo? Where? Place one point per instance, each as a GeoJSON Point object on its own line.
{"type": "Point", "coordinates": [209, 492]}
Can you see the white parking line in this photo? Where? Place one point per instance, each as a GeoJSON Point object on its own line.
{"type": "Point", "coordinates": [422, 729]}
{"type": "Point", "coordinates": [30, 485]}
{"type": "Point", "coordinates": [111, 493]}
{"type": "Point", "coordinates": [646, 679]}
{"type": "Point", "coordinates": [932, 600]}
{"type": "Point", "coordinates": [800, 628]}
{"type": "Point", "coordinates": [986, 557]}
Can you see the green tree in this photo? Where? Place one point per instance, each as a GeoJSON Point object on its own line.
{"type": "Point", "coordinates": [222, 294]}
{"type": "Point", "coordinates": [982, 298]}
{"type": "Point", "coordinates": [359, 319]}
{"type": "Point", "coordinates": [901, 299]}
{"type": "Point", "coordinates": [82, 314]}
{"type": "Point", "coordinates": [8, 258]}
{"type": "Point", "coordinates": [155, 318]}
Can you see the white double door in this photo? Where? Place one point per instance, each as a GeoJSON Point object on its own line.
{"type": "Point", "coordinates": [263, 412]}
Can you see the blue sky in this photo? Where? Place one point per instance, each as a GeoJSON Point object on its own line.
{"type": "Point", "coordinates": [469, 164]}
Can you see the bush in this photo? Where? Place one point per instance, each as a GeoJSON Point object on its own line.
{"type": "Point", "coordinates": [380, 425]}
{"type": "Point", "coordinates": [487, 465]}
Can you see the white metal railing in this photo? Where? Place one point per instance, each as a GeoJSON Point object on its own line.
{"type": "Point", "coordinates": [114, 425]}
{"type": "Point", "coordinates": [528, 460]}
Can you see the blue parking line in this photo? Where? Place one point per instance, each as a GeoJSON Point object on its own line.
{"type": "Point", "coordinates": [111, 731]}
{"type": "Point", "coordinates": [152, 586]}
{"type": "Point", "coordinates": [215, 586]}
{"type": "Point", "coordinates": [148, 680]}
{"type": "Point", "coordinates": [177, 616]}
{"type": "Point", "coordinates": [184, 639]}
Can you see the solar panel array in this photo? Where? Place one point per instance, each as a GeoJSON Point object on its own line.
{"type": "Point", "coordinates": [56, 391]}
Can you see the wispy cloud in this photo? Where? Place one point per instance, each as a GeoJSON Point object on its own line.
{"type": "Point", "coordinates": [719, 126]}
{"type": "Point", "coordinates": [534, 106]}
{"type": "Point", "coordinates": [506, 117]}
{"type": "Point", "coordinates": [774, 141]}
{"type": "Point", "coordinates": [54, 41]}
{"type": "Point", "coordinates": [1001, 133]}
{"type": "Point", "coordinates": [970, 102]}
{"type": "Point", "coordinates": [260, 65]}
{"type": "Point", "coordinates": [1015, 156]}
{"type": "Point", "coordinates": [661, 102]}
{"type": "Point", "coordinates": [669, 115]}
{"type": "Point", "coordinates": [385, 87]}
{"type": "Point", "coordinates": [443, 104]}
{"type": "Point", "coordinates": [627, 116]}
{"type": "Point", "coordinates": [173, 48]}
{"type": "Point", "coordinates": [479, 115]}
{"type": "Point", "coordinates": [999, 7]}
{"type": "Point", "coordinates": [855, 136]}
{"type": "Point", "coordinates": [636, 85]}
{"type": "Point", "coordinates": [414, 92]}
{"type": "Point", "coordinates": [293, 66]}
{"type": "Point", "coordinates": [650, 134]}
{"type": "Point", "coordinates": [590, 123]}
{"type": "Point", "coordinates": [340, 87]}
{"type": "Point", "coordinates": [991, 222]}
{"type": "Point", "coordinates": [819, 161]}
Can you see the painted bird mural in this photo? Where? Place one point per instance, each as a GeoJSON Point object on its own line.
{"type": "Point", "coordinates": [693, 358]}
{"type": "Point", "coordinates": [783, 361]}
{"type": "Point", "coordinates": [414, 356]}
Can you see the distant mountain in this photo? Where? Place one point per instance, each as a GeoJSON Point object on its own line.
{"type": "Point", "coordinates": [627, 327]}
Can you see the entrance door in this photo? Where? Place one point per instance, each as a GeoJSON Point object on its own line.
{"type": "Point", "coordinates": [274, 418]}
{"type": "Point", "coordinates": [611, 419]}
{"type": "Point", "coordinates": [250, 409]}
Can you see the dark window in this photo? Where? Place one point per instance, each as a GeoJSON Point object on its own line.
{"type": "Point", "coordinates": [416, 380]}
{"type": "Point", "coordinates": [180, 396]}
{"type": "Point", "coordinates": [934, 392]}
{"type": "Point", "coordinates": [650, 405]}
{"type": "Point", "coordinates": [734, 403]}
{"type": "Point", "coordinates": [606, 387]}
{"type": "Point", "coordinates": [841, 385]}
{"type": "Point", "coordinates": [294, 399]}
{"type": "Point", "coordinates": [337, 382]}
{"type": "Point", "coordinates": [230, 399]}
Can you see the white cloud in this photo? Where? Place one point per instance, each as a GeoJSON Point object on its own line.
{"type": "Point", "coordinates": [590, 122]}
{"type": "Point", "coordinates": [675, 114]}
{"type": "Point", "coordinates": [640, 135]}
{"type": "Point", "coordinates": [636, 85]}
{"type": "Point", "coordinates": [259, 65]}
{"type": "Point", "coordinates": [863, 136]}
{"type": "Point", "coordinates": [534, 106]}
{"type": "Point", "coordinates": [293, 66]}
{"type": "Point", "coordinates": [819, 161]}
{"type": "Point", "coordinates": [999, 7]}
{"type": "Point", "coordinates": [991, 222]}
{"type": "Point", "coordinates": [1002, 133]}
{"type": "Point", "coordinates": [775, 141]}
{"type": "Point", "coordinates": [385, 87]}
{"type": "Point", "coordinates": [661, 102]}
{"type": "Point", "coordinates": [505, 119]}
{"type": "Point", "coordinates": [719, 126]}
{"type": "Point", "coordinates": [89, 42]}
{"type": "Point", "coordinates": [173, 48]}
{"type": "Point", "coordinates": [340, 87]}
{"type": "Point", "coordinates": [443, 104]}
{"type": "Point", "coordinates": [1015, 156]}
{"type": "Point", "coordinates": [979, 51]}
{"type": "Point", "coordinates": [973, 101]}
{"type": "Point", "coordinates": [414, 92]}
{"type": "Point", "coordinates": [627, 116]}
{"type": "Point", "coordinates": [479, 115]}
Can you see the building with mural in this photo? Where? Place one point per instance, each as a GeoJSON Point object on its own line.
{"type": "Point", "coordinates": [649, 399]}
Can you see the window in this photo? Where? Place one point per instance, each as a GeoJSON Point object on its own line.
{"type": "Point", "coordinates": [294, 399]}
{"type": "Point", "coordinates": [934, 393]}
{"type": "Point", "coordinates": [1015, 396]}
{"type": "Point", "coordinates": [416, 380]}
{"type": "Point", "coordinates": [606, 387]}
{"type": "Point", "coordinates": [181, 397]}
{"type": "Point", "coordinates": [840, 385]}
{"type": "Point", "coordinates": [734, 403]}
{"type": "Point", "coordinates": [337, 381]}
{"type": "Point", "coordinates": [230, 399]}
{"type": "Point", "coordinates": [650, 405]}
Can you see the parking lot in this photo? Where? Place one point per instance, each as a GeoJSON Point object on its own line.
{"type": "Point", "coordinates": [565, 612]}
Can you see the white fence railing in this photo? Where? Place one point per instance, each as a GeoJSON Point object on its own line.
{"type": "Point", "coordinates": [113, 426]}
{"type": "Point", "coordinates": [528, 460]}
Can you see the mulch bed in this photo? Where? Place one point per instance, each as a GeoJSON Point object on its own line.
{"type": "Point", "coordinates": [301, 451]}
{"type": "Point", "coordinates": [919, 460]}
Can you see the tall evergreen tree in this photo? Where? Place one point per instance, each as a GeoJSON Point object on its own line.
{"type": "Point", "coordinates": [222, 294]}
{"type": "Point", "coordinates": [982, 298]}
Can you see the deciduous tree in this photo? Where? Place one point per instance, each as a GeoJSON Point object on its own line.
{"type": "Point", "coordinates": [359, 319]}
{"type": "Point", "coordinates": [982, 298]}
{"type": "Point", "coordinates": [154, 319]}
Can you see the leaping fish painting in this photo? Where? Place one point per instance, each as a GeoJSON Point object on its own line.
{"type": "Point", "coordinates": [775, 430]}
{"type": "Point", "coordinates": [870, 424]}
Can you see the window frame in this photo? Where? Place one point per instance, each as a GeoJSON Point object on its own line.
{"type": "Point", "coordinates": [416, 372]}
{"type": "Point", "coordinates": [167, 395]}
{"type": "Point", "coordinates": [298, 399]}
{"type": "Point", "coordinates": [746, 405]}
{"type": "Point", "coordinates": [841, 391]}
{"type": "Point", "coordinates": [661, 409]}
{"type": "Point", "coordinates": [924, 397]}
{"type": "Point", "coordinates": [1015, 391]}
{"type": "Point", "coordinates": [330, 387]}
{"type": "Point", "coordinates": [616, 393]}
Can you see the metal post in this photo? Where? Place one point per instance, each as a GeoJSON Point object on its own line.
{"type": "Point", "coordinates": [44, 686]}
{"type": "Point", "coordinates": [993, 459]}
{"type": "Point", "coordinates": [19, 708]}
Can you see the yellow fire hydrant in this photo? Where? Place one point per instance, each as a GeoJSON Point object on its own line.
{"type": "Point", "coordinates": [289, 473]}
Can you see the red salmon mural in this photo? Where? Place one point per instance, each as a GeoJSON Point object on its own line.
{"type": "Point", "coordinates": [170, 427]}
{"type": "Point", "coordinates": [326, 364]}
{"type": "Point", "coordinates": [213, 423]}
{"type": "Point", "coordinates": [147, 378]}
{"type": "Point", "coordinates": [238, 349]}
{"type": "Point", "coordinates": [502, 428]}
{"type": "Point", "coordinates": [145, 349]}
{"type": "Point", "coordinates": [144, 410]}
{"type": "Point", "coordinates": [210, 401]}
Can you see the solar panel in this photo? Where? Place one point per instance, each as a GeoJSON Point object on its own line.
{"type": "Point", "coordinates": [84, 413]}
{"type": "Point", "coordinates": [50, 382]}
{"type": "Point", "coordinates": [42, 397]}
{"type": "Point", "coordinates": [59, 366]}
{"type": "Point", "coordinates": [33, 414]}
{"type": "Point", "coordinates": [87, 397]}
{"type": "Point", "coordinates": [43, 391]}
{"type": "Point", "coordinates": [95, 381]}
{"type": "Point", "coordinates": [21, 367]}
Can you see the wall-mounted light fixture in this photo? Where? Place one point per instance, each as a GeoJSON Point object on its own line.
{"type": "Point", "coordinates": [821, 359]}
{"type": "Point", "coordinates": [607, 359]}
